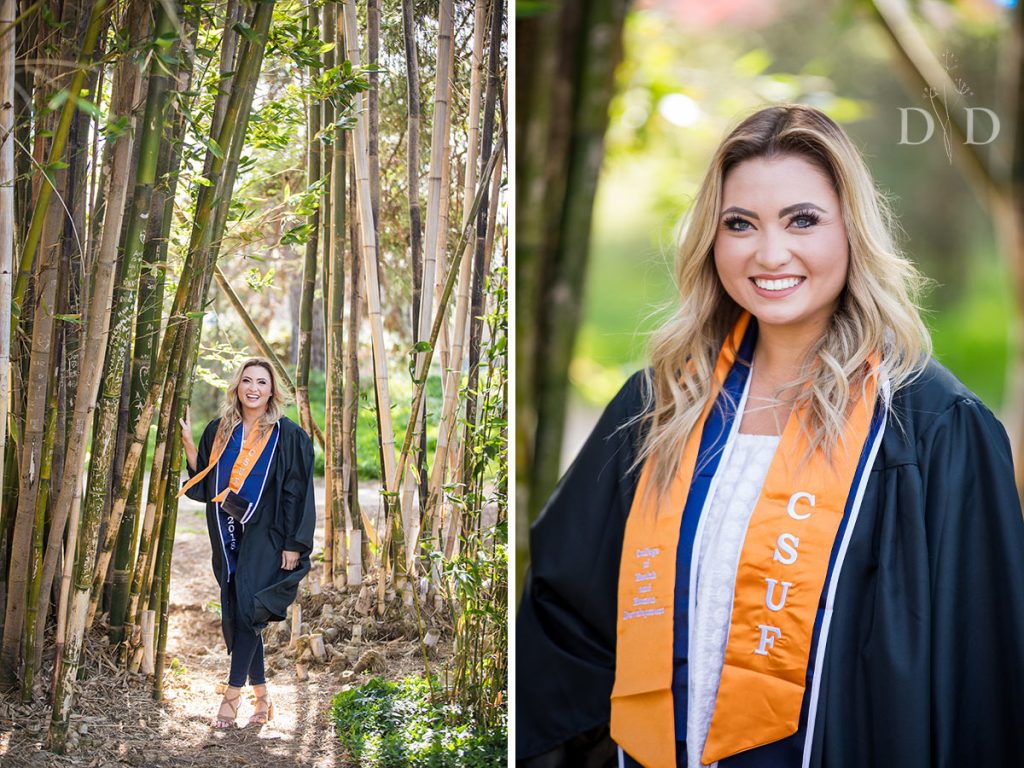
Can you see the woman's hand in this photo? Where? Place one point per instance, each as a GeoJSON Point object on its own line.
{"type": "Point", "coordinates": [186, 439]}
{"type": "Point", "coordinates": [289, 560]}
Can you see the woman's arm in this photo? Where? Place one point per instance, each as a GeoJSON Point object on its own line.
{"type": "Point", "coordinates": [565, 630]}
{"type": "Point", "coordinates": [297, 500]}
{"type": "Point", "coordinates": [976, 542]}
{"type": "Point", "coordinates": [199, 460]}
{"type": "Point", "coordinates": [191, 453]}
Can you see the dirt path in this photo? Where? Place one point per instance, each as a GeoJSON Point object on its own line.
{"type": "Point", "coordinates": [118, 724]}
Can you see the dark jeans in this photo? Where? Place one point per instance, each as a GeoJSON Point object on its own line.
{"type": "Point", "coordinates": [246, 653]}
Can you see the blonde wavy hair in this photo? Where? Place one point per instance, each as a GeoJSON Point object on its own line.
{"type": "Point", "coordinates": [877, 310]}
{"type": "Point", "coordinates": [231, 411]}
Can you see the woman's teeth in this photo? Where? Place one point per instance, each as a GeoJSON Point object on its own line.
{"type": "Point", "coordinates": [777, 285]}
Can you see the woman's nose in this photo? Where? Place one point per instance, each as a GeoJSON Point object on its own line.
{"type": "Point", "coordinates": [773, 252]}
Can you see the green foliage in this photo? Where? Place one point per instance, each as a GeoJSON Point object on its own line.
{"type": "Point", "coordinates": [476, 585]}
{"type": "Point", "coordinates": [475, 582]}
{"type": "Point", "coordinates": [390, 724]}
{"type": "Point", "coordinates": [972, 337]}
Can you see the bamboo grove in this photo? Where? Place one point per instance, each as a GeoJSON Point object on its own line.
{"type": "Point", "coordinates": [152, 156]}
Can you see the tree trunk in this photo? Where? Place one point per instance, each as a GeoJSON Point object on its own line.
{"type": "Point", "coordinates": [565, 79]}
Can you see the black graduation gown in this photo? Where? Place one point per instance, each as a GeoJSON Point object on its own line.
{"type": "Point", "coordinates": [284, 520]}
{"type": "Point", "coordinates": [925, 660]}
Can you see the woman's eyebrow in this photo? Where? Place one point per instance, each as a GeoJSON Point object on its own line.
{"type": "Point", "coordinates": [782, 212]}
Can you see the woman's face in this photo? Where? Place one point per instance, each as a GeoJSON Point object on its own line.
{"type": "Point", "coordinates": [781, 249]}
{"type": "Point", "coordinates": [255, 389]}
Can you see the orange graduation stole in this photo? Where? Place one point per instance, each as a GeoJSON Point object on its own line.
{"type": "Point", "coordinates": [252, 449]}
{"type": "Point", "coordinates": [782, 570]}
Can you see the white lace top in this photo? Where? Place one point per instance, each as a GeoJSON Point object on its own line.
{"type": "Point", "coordinates": [738, 487]}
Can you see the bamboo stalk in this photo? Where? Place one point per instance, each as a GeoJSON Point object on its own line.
{"type": "Point", "coordinates": [433, 240]}
{"type": "Point", "coordinates": [147, 342]}
{"type": "Point", "coordinates": [358, 520]}
{"type": "Point", "coordinates": [369, 248]}
{"type": "Point", "coordinates": [7, 227]}
{"type": "Point", "coordinates": [436, 230]}
{"type": "Point", "coordinates": [167, 552]}
{"type": "Point", "coordinates": [29, 665]}
{"type": "Point", "coordinates": [31, 457]}
{"type": "Point", "coordinates": [413, 164]}
{"type": "Point", "coordinates": [453, 369]}
{"type": "Point", "coordinates": [335, 517]}
{"type": "Point", "coordinates": [148, 624]}
{"type": "Point", "coordinates": [476, 305]}
{"type": "Point", "coordinates": [309, 268]}
{"type": "Point", "coordinates": [443, 341]}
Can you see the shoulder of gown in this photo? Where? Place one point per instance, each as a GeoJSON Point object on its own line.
{"type": "Point", "coordinates": [932, 593]}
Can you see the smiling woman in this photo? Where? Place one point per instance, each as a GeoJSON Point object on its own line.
{"type": "Point", "coordinates": [254, 470]}
{"type": "Point", "coordinates": [796, 539]}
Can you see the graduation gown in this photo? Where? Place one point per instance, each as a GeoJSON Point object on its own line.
{"type": "Point", "coordinates": [924, 664]}
{"type": "Point", "coordinates": [284, 519]}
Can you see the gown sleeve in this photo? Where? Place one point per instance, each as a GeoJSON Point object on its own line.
{"type": "Point", "coordinates": [198, 492]}
{"type": "Point", "coordinates": [297, 501]}
{"type": "Point", "coordinates": [976, 547]}
{"type": "Point", "coordinates": [565, 630]}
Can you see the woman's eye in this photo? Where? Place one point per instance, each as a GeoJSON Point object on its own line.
{"type": "Point", "coordinates": [805, 220]}
{"type": "Point", "coordinates": [736, 224]}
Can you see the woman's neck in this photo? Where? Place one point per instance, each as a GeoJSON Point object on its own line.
{"type": "Point", "coordinates": [251, 419]}
{"type": "Point", "coordinates": [778, 358]}
{"type": "Point", "coordinates": [781, 352]}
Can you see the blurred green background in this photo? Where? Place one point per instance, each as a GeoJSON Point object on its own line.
{"type": "Point", "coordinates": [692, 70]}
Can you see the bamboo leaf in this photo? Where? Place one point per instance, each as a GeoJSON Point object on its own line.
{"type": "Point", "coordinates": [247, 32]}
{"type": "Point", "coordinates": [297, 235]}
{"type": "Point", "coordinates": [166, 40]}
{"type": "Point", "coordinates": [214, 147]}
{"type": "Point", "coordinates": [88, 107]}
{"type": "Point", "coordinates": [57, 100]}
{"type": "Point", "coordinates": [117, 127]}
